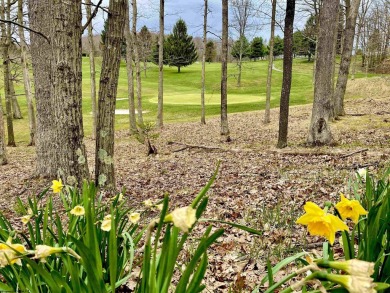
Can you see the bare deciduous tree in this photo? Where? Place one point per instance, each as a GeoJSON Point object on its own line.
{"type": "Point", "coordinates": [160, 106]}
{"type": "Point", "coordinates": [202, 98]}
{"type": "Point", "coordinates": [137, 62]}
{"type": "Point", "coordinates": [224, 59]}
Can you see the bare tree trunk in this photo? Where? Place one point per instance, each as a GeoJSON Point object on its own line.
{"type": "Point", "coordinates": [160, 107]}
{"type": "Point", "coordinates": [6, 42]}
{"type": "Point", "coordinates": [3, 151]}
{"type": "Point", "coordinates": [129, 69]}
{"type": "Point", "coordinates": [319, 131]}
{"type": "Point", "coordinates": [26, 76]}
{"type": "Point", "coordinates": [67, 92]}
{"type": "Point", "coordinates": [91, 67]}
{"type": "Point", "coordinates": [287, 73]}
{"type": "Point", "coordinates": [352, 11]}
{"type": "Point", "coordinates": [137, 64]}
{"type": "Point", "coordinates": [202, 98]}
{"type": "Point", "coordinates": [17, 114]}
{"type": "Point", "coordinates": [333, 58]}
{"type": "Point", "coordinates": [104, 159]}
{"type": "Point", "coordinates": [239, 64]}
{"type": "Point", "coordinates": [40, 14]}
{"type": "Point", "coordinates": [224, 57]}
{"type": "Point", "coordinates": [270, 65]}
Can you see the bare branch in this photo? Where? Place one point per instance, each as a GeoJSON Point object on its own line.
{"type": "Point", "coordinates": [92, 16]}
{"type": "Point", "coordinates": [27, 28]}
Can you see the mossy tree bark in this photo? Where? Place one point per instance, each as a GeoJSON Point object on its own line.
{"type": "Point", "coordinates": [224, 58]}
{"type": "Point", "coordinates": [287, 73]}
{"type": "Point", "coordinates": [104, 158]}
{"type": "Point", "coordinates": [319, 130]}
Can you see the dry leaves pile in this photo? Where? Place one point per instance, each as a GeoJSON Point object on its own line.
{"type": "Point", "coordinates": [258, 185]}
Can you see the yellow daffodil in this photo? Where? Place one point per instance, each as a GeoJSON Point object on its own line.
{"type": "Point", "coordinates": [148, 203]}
{"type": "Point", "coordinates": [350, 209]}
{"type": "Point", "coordinates": [106, 223]}
{"type": "Point", "coordinates": [134, 217]}
{"type": "Point", "coordinates": [25, 219]}
{"type": "Point", "coordinates": [43, 251]}
{"type": "Point", "coordinates": [78, 211]}
{"type": "Point", "coordinates": [354, 284]}
{"type": "Point", "coordinates": [320, 223]}
{"type": "Point", "coordinates": [9, 253]}
{"type": "Point", "coordinates": [57, 186]}
{"type": "Point", "coordinates": [182, 218]}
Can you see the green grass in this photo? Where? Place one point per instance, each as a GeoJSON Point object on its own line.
{"type": "Point", "coordinates": [182, 92]}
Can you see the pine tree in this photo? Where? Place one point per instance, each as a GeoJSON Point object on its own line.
{"type": "Point", "coordinates": [241, 48]}
{"type": "Point", "coordinates": [210, 51]}
{"type": "Point", "coordinates": [180, 48]}
{"type": "Point", "coordinates": [257, 49]}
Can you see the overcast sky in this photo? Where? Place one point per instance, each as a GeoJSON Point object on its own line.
{"type": "Point", "coordinates": [191, 11]}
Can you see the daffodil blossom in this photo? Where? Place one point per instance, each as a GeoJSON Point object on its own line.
{"type": "Point", "coordinates": [353, 267]}
{"type": "Point", "coordinates": [182, 218]}
{"type": "Point", "coordinates": [362, 172]}
{"type": "Point", "coordinates": [57, 186]}
{"type": "Point", "coordinates": [350, 209]}
{"type": "Point", "coordinates": [9, 253]}
{"type": "Point", "coordinates": [106, 223]}
{"type": "Point", "coordinates": [26, 219]}
{"type": "Point", "coordinates": [78, 211]}
{"type": "Point", "coordinates": [148, 203]}
{"type": "Point", "coordinates": [134, 217]}
{"type": "Point", "coordinates": [354, 284]}
{"type": "Point", "coordinates": [320, 223]}
{"type": "Point", "coordinates": [43, 251]}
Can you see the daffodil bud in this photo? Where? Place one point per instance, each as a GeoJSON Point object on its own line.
{"type": "Point", "coordinates": [182, 218]}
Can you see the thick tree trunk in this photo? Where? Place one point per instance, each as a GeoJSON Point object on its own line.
{"type": "Point", "coordinates": [67, 93]}
{"type": "Point", "coordinates": [160, 107]}
{"type": "Point", "coordinates": [129, 69]}
{"type": "Point", "coordinates": [270, 65]}
{"type": "Point", "coordinates": [104, 159]}
{"type": "Point", "coordinates": [137, 64]}
{"type": "Point", "coordinates": [3, 151]}
{"type": "Point", "coordinates": [287, 73]}
{"type": "Point", "coordinates": [91, 67]}
{"type": "Point", "coordinates": [319, 131]}
{"type": "Point", "coordinates": [40, 14]}
{"type": "Point", "coordinates": [224, 56]}
{"type": "Point", "coordinates": [17, 114]}
{"type": "Point", "coordinates": [352, 12]}
{"type": "Point", "coordinates": [202, 94]}
{"type": "Point", "coordinates": [26, 76]}
{"type": "Point", "coordinates": [5, 44]}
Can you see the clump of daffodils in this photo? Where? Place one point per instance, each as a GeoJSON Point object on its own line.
{"type": "Point", "coordinates": [10, 253]}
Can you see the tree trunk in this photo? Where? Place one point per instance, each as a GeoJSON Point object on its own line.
{"type": "Point", "coordinates": [40, 14]}
{"type": "Point", "coordinates": [319, 131]}
{"type": "Point", "coordinates": [104, 159]}
{"type": "Point", "coordinates": [287, 73]}
{"type": "Point", "coordinates": [3, 151]}
{"type": "Point", "coordinates": [67, 92]}
{"type": "Point", "coordinates": [91, 67]}
{"type": "Point", "coordinates": [6, 42]}
{"type": "Point", "coordinates": [224, 56]}
{"type": "Point", "coordinates": [17, 114]}
{"type": "Point", "coordinates": [352, 11]}
{"type": "Point", "coordinates": [239, 65]}
{"type": "Point", "coordinates": [202, 98]}
{"type": "Point", "coordinates": [270, 65]}
{"type": "Point", "coordinates": [129, 69]}
{"type": "Point", "coordinates": [26, 76]}
{"type": "Point", "coordinates": [333, 58]}
{"type": "Point", "coordinates": [137, 64]}
{"type": "Point", "coordinates": [160, 107]}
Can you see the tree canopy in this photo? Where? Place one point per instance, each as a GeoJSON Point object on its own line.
{"type": "Point", "coordinates": [257, 49]}
{"type": "Point", "coordinates": [241, 47]}
{"type": "Point", "coordinates": [210, 51]}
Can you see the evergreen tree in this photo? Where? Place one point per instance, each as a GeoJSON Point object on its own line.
{"type": "Point", "coordinates": [241, 47]}
{"type": "Point", "coordinates": [257, 49]}
{"type": "Point", "coordinates": [210, 51]}
{"type": "Point", "coordinates": [278, 46]}
{"type": "Point", "coordinates": [180, 47]}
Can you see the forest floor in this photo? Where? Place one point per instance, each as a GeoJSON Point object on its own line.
{"type": "Point", "coordinates": [258, 185]}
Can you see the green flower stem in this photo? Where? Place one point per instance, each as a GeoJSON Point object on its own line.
{"type": "Point", "coordinates": [294, 274]}
{"type": "Point", "coordinates": [296, 286]}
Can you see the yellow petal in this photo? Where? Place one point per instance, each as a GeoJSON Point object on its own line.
{"type": "Point", "coordinates": [78, 211]}
{"type": "Point", "coordinates": [312, 208]}
{"type": "Point", "coordinates": [134, 217]}
{"type": "Point", "coordinates": [336, 223]}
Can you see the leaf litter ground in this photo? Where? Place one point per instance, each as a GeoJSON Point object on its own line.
{"type": "Point", "coordinates": [258, 185]}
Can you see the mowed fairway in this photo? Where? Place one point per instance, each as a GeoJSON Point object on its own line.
{"type": "Point", "coordinates": [182, 92]}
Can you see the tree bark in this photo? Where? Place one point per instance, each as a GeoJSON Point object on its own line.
{"type": "Point", "coordinates": [26, 76]}
{"type": "Point", "coordinates": [67, 92]}
{"type": "Point", "coordinates": [40, 14]}
{"type": "Point", "coordinates": [6, 42]}
{"type": "Point", "coordinates": [137, 64]}
{"type": "Point", "coordinates": [129, 69]}
{"type": "Point", "coordinates": [287, 73]}
{"type": "Point", "coordinates": [91, 67]}
{"type": "Point", "coordinates": [160, 107]}
{"type": "Point", "coordinates": [17, 114]}
{"type": "Point", "coordinates": [3, 151]}
{"type": "Point", "coordinates": [319, 131]}
{"type": "Point", "coordinates": [202, 98]}
{"type": "Point", "coordinates": [270, 65]}
{"type": "Point", "coordinates": [224, 56]}
{"type": "Point", "coordinates": [341, 85]}
{"type": "Point", "coordinates": [104, 159]}
{"type": "Point", "coordinates": [333, 58]}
